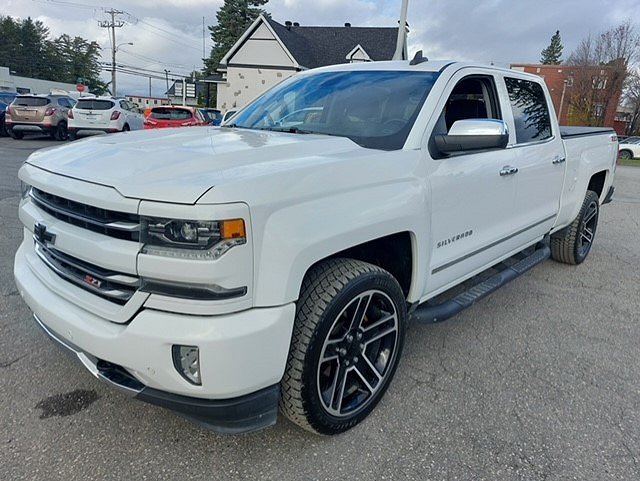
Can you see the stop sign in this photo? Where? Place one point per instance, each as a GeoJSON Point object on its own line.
{"type": "Point", "coordinates": [80, 88]}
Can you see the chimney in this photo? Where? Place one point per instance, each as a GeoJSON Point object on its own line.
{"type": "Point", "coordinates": [288, 24]}
{"type": "Point", "coordinates": [296, 24]}
{"type": "Point", "coordinates": [347, 24]}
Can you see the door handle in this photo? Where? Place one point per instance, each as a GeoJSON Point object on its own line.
{"type": "Point", "coordinates": [508, 170]}
{"type": "Point", "coordinates": [558, 160]}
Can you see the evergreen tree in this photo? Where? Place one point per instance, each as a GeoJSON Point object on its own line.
{"type": "Point", "coordinates": [25, 47]}
{"type": "Point", "coordinates": [552, 54]}
{"type": "Point", "coordinates": [234, 17]}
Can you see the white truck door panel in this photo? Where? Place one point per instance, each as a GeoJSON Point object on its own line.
{"type": "Point", "coordinates": [472, 204]}
{"type": "Point", "coordinates": [472, 212]}
{"type": "Point", "coordinates": [538, 153]}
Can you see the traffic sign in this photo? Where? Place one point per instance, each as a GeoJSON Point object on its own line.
{"type": "Point", "coordinates": [81, 88]}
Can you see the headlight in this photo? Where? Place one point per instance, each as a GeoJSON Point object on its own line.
{"type": "Point", "coordinates": [192, 239]}
{"type": "Point", "coordinates": [25, 189]}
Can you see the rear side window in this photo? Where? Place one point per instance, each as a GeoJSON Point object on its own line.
{"type": "Point", "coordinates": [170, 114]}
{"type": "Point", "coordinates": [31, 101]}
{"type": "Point", "coordinates": [94, 104]}
{"type": "Point", "coordinates": [530, 111]}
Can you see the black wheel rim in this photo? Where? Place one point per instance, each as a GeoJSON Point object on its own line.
{"type": "Point", "coordinates": [358, 354]}
{"type": "Point", "coordinates": [588, 231]}
{"type": "Point", "coordinates": [625, 155]}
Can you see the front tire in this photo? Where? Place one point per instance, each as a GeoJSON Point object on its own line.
{"type": "Point", "coordinates": [346, 345]}
{"type": "Point", "coordinates": [626, 155]}
{"type": "Point", "coordinates": [573, 244]}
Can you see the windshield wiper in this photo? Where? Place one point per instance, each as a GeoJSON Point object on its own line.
{"type": "Point", "coordinates": [289, 130]}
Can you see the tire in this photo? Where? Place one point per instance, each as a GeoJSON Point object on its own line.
{"type": "Point", "coordinates": [61, 133]}
{"type": "Point", "coordinates": [125, 128]}
{"type": "Point", "coordinates": [625, 154]}
{"type": "Point", "coordinates": [572, 244]}
{"type": "Point", "coordinates": [3, 129]}
{"type": "Point", "coordinates": [16, 135]}
{"type": "Point", "coordinates": [361, 348]}
{"type": "Point", "coordinates": [73, 135]}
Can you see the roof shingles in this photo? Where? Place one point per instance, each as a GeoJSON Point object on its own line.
{"type": "Point", "coordinates": [320, 46]}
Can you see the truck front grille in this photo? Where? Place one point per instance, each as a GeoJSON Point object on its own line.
{"type": "Point", "coordinates": [113, 286]}
{"type": "Point", "coordinates": [120, 225]}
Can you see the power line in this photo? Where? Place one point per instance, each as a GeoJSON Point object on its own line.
{"type": "Point", "coordinates": [154, 60]}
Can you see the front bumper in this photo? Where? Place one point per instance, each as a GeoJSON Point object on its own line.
{"type": "Point", "coordinates": [230, 416]}
{"type": "Point", "coordinates": [242, 355]}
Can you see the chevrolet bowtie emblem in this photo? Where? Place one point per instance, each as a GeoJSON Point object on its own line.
{"type": "Point", "coordinates": [41, 235]}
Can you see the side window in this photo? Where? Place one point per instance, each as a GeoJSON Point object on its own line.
{"type": "Point", "coordinates": [123, 105]}
{"type": "Point", "coordinates": [472, 98]}
{"type": "Point", "coordinates": [530, 111]}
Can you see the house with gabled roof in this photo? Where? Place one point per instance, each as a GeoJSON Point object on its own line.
{"type": "Point", "coordinates": [269, 52]}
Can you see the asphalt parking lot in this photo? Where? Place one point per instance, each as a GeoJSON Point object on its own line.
{"type": "Point", "coordinates": [540, 381]}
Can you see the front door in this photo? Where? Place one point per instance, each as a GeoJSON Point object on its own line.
{"type": "Point", "coordinates": [472, 200]}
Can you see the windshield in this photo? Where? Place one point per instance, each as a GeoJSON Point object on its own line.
{"type": "Point", "coordinates": [375, 109]}
{"type": "Point", "coordinates": [170, 114]}
{"type": "Point", "coordinates": [94, 104]}
{"type": "Point", "coordinates": [31, 101]}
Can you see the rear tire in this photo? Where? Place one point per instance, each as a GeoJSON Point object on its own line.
{"type": "Point", "coordinates": [73, 136]}
{"type": "Point", "coordinates": [61, 133]}
{"type": "Point", "coordinates": [125, 128]}
{"type": "Point", "coordinates": [16, 135]}
{"type": "Point", "coordinates": [346, 345]}
{"type": "Point", "coordinates": [572, 244]}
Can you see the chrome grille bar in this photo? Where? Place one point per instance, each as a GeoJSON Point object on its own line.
{"type": "Point", "coordinates": [115, 224]}
{"type": "Point", "coordinates": [113, 286]}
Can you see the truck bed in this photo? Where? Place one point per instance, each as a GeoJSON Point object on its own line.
{"type": "Point", "coordinates": [571, 132]}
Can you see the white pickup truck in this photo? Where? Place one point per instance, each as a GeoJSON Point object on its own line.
{"type": "Point", "coordinates": [274, 262]}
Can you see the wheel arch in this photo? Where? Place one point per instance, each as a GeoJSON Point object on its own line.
{"type": "Point", "coordinates": [393, 253]}
{"type": "Point", "coordinates": [597, 183]}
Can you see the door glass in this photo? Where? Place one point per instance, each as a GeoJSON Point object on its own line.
{"type": "Point", "coordinates": [530, 111]}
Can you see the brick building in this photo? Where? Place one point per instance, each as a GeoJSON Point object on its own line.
{"type": "Point", "coordinates": [581, 95]}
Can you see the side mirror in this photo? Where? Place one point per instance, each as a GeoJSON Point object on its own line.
{"type": "Point", "coordinates": [473, 134]}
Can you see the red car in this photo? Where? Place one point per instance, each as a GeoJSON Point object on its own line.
{"type": "Point", "coordinates": [169, 116]}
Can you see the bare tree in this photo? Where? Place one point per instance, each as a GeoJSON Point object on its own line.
{"type": "Point", "coordinates": [602, 65]}
{"type": "Point", "coordinates": [632, 103]}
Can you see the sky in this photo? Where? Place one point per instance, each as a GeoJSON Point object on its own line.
{"type": "Point", "coordinates": [168, 34]}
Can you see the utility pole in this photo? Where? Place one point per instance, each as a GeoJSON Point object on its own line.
{"type": "Point", "coordinates": [113, 24]}
{"type": "Point", "coordinates": [166, 76]}
{"type": "Point", "coordinates": [149, 85]}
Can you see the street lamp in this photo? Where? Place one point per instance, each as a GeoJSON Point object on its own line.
{"type": "Point", "coordinates": [113, 66]}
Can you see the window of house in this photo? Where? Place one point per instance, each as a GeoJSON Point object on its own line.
{"type": "Point", "coordinates": [569, 81]}
{"type": "Point", "coordinates": [598, 110]}
{"type": "Point", "coordinates": [530, 111]}
{"type": "Point", "coordinates": [599, 83]}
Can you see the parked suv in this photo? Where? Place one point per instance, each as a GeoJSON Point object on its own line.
{"type": "Point", "coordinates": [103, 114]}
{"type": "Point", "coordinates": [43, 114]}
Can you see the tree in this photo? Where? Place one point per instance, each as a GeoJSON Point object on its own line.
{"type": "Point", "coordinates": [25, 47]}
{"type": "Point", "coordinates": [234, 17]}
{"type": "Point", "coordinates": [553, 53]}
{"type": "Point", "coordinates": [603, 64]}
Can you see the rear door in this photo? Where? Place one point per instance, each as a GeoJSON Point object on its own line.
{"type": "Point", "coordinates": [93, 112]}
{"type": "Point", "coordinates": [29, 108]}
{"type": "Point", "coordinates": [537, 152]}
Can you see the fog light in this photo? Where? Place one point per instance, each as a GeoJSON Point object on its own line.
{"type": "Point", "coordinates": [186, 360]}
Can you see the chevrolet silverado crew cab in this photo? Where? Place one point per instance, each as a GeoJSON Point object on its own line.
{"type": "Point", "coordinates": [273, 263]}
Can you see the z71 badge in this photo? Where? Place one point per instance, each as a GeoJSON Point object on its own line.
{"type": "Point", "coordinates": [454, 238]}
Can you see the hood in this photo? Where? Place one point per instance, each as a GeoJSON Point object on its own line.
{"type": "Point", "coordinates": [180, 165]}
